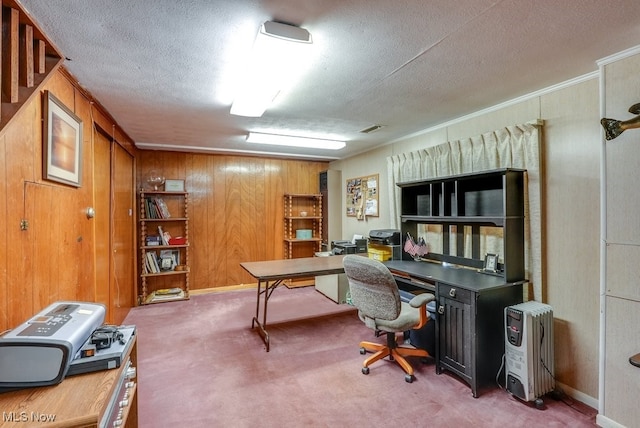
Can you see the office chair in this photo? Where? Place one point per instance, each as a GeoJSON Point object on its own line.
{"type": "Point", "coordinates": [375, 294]}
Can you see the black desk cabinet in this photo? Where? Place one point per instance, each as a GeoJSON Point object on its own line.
{"type": "Point", "coordinates": [470, 332]}
{"type": "Point", "coordinates": [470, 304]}
{"type": "Point", "coordinates": [470, 316]}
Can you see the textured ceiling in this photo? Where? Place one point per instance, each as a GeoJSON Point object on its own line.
{"type": "Point", "coordinates": [163, 69]}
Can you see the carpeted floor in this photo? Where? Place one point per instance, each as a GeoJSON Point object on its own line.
{"type": "Point", "coordinates": [201, 365]}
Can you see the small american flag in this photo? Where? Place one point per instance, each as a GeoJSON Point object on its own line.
{"type": "Point", "coordinates": [410, 246]}
{"type": "Point", "coordinates": [423, 249]}
{"type": "Point", "coordinates": [413, 249]}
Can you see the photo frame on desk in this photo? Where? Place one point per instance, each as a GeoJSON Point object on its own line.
{"type": "Point", "coordinates": [491, 263]}
{"type": "Point", "coordinates": [62, 142]}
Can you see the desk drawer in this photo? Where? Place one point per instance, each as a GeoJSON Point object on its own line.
{"type": "Point", "coordinates": [454, 293]}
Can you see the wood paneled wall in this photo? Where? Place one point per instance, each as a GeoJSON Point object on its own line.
{"type": "Point", "coordinates": [55, 258]}
{"type": "Point", "coordinates": [236, 208]}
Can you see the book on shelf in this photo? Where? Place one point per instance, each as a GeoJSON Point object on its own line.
{"type": "Point", "coordinates": [156, 208]}
{"type": "Point", "coordinates": [162, 208]}
{"type": "Point", "coordinates": [165, 236]}
{"type": "Point", "coordinates": [152, 263]}
{"type": "Point", "coordinates": [147, 263]}
{"type": "Point", "coordinates": [151, 209]}
{"type": "Point", "coordinates": [166, 295]}
{"type": "Point", "coordinates": [153, 240]}
{"type": "Point", "coordinates": [168, 291]}
{"type": "Point", "coordinates": [147, 208]}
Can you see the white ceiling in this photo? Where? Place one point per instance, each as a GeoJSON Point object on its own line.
{"type": "Point", "coordinates": [163, 68]}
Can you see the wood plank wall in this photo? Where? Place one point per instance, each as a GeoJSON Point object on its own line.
{"type": "Point", "coordinates": [54, 258]}
{"type": "Point", "coordinates": [235, 210]}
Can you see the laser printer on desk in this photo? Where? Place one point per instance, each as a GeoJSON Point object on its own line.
{"type": "Point", "coordinates": [376, 237]}
{"type": "Point", "coordinates": [384, 236]}
{"type": "Point", "coordinates": [384, 244]}
{"type": "Point", "coordinates": [349, 247]}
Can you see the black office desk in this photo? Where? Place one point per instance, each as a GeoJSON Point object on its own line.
{"type": "Point", "coordinates": [423, 273]}
{"type": "Point", "coordinates": [470, 316]}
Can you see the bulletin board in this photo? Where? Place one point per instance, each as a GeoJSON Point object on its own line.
{"type": "Point", "coordinates": [362, 196]}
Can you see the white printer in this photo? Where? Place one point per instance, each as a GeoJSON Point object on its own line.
{"type": "Point", "coordinates": [39, 351]}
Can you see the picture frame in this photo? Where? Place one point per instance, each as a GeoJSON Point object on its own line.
{"type": "Point", "coordinates": [62, 142]}
{"type": "Point", "coordinates": [169, 259]}
{"type": "Point", "coordinates": [171, 185]}
{"type": "Point", "coordinates": [491, 263]}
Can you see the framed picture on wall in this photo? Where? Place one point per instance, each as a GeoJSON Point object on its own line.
{"type": "Point", "coordinates": [62, 142]}
{"type": "Point", "coordinates": [362, 196]}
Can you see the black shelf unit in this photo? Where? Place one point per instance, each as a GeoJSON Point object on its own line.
{"type": "Point", "coordinates": [491, 198]}
{"type": "Point", "coordinates": [469, 301]}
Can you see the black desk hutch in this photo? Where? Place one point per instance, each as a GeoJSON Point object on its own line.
{"type": "Point", "coordinates": [470, 301]}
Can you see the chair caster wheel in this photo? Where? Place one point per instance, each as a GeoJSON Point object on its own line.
{"type": "Point", "coordinates": [408, 378]}
{"type": "Point", "coordinates": [363, 351]}
{"type": "Point", "coordinates": [365, 370]}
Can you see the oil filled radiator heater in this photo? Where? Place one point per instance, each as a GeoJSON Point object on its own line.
{"type": "Point", "coordinates": [529, 362]}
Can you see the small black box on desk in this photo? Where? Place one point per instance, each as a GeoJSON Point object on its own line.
{"type": "Point", "coordinates": [361, 245]}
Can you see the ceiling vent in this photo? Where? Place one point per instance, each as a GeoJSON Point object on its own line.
{"type": "Point", "coordinates": [371, 129]}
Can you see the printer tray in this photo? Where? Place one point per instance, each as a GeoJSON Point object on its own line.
{"type": "Point", "coordinates": [105, 359]}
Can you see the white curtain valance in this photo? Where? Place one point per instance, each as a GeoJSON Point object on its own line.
{"type": "Point", "coordinates": [515, 146]}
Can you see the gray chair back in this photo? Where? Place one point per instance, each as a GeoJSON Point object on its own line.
{"type": "Point", "coordinates": [373, 289]}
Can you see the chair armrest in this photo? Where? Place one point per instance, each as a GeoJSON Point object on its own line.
{"type": "Point", "coordinates": [421, 300]}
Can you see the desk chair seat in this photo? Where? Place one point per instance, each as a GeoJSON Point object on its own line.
{"type": "Point", "coordinates": [375, 294]}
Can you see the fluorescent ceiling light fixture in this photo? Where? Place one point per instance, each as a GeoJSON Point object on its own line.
{"type": "Point", "coordinates": [287, 140]}
{"type": "Point", "coordinates": [279, 53]}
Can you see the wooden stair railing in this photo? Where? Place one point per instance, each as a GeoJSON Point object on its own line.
{"type": "Point", "coordinates": [28, 60]}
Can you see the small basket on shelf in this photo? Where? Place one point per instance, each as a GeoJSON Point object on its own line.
{"type": "Point", "coordinates": [178, 240]}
